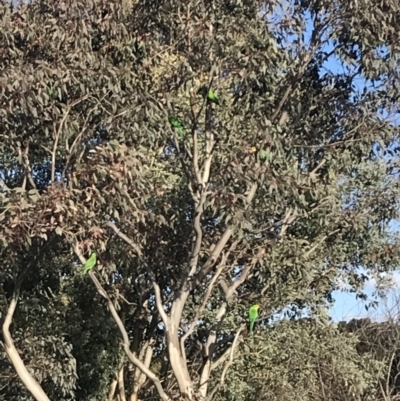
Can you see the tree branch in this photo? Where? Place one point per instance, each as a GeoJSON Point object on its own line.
{"type": "Point", "coordinates": [58, 134]}
{"type": "Point", "coordinates": [3, 185]}
{"type": "Point", "coordinates": [24, 157]}
{"type": "Point", "coordinates": [175, 355]}
{"type": "Point", "coordinates": [113, 387]}
{"type": "Point", "coordinates": [138, 251]}
{"type": "Point", "coordinates": [125, 338]}
{"type": "Point", "coordinates": [212, 338]}
{"type": "Point", "coordinates": [322, 240]}
{"type": "Point", "coordinates": [27, 379]}
{"type": "Point", "coordinates": [315, 42]}
{"type": "Point", "coordinates": [289, 218]}
{"type": "Point", "coordinates": [172, 323]}
{"type": "Point", "coordinates": [230, 362]}
{"type": "Point", "coordinates": [222, 265]}
{"type": "Point", "coordinates": [124, 237]}
{"type": "Point", "coordinates": [196, 155]}
{"type": "Point", "coordinates": [140, 377]}
{"type": "Point", "coordinates": [198, 237]}
{"type": "Point", "coordinates": [159, 304]}
{"type": "Point", "coordinates": [121, 385]}
{"type": "Point", "coordinates": [209, 348]}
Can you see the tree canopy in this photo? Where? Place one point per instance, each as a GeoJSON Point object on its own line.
{"type": "Point", "coordinates": [277, 193]}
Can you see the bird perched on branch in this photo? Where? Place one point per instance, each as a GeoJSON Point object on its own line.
{"type": "Point", "coordinates": [90, 263]}
{"type": "Point", "coordinates": [253, 315]}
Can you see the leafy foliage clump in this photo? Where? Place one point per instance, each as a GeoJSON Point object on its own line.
{"type": "Point", "coordinates": [304, 361]}
{"type": "Point", "coordinates": [276, 194]}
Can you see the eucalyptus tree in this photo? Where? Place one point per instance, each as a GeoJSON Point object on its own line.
{"type": "Point", "coordinates": [270, 195]}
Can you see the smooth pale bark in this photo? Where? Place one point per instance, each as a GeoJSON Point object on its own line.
{"type": "Point", "coordinates": [140, 378]}
{"type": "Point", "coordinates": [27, 379]}
{"type": "Point", "coordinates": [121, 385]}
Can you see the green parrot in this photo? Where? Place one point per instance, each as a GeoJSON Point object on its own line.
{"type": "Point", "coordinates": [253, 315]}
{"type": "Point", "coordinates": [264, 154]}
{"type": "Point", "coordinates": [90, 263]}
{"type": "Point", "coordinates": [175, 123]}
{"type": "Point", "coordinates": [212, 97]}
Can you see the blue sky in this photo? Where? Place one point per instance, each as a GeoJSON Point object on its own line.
{"type": "Point", "coordinates": [347, 306]}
